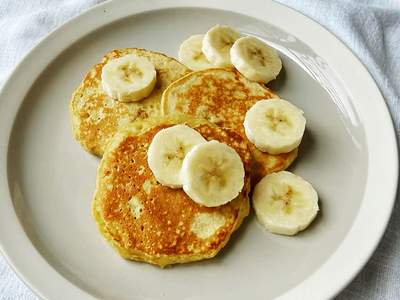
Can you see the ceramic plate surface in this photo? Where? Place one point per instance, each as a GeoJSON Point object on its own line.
{"type": "Point", "coordinates": [47, 181]}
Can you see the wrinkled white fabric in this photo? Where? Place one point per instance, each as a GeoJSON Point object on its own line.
{"type": "Point", "coordinates": [371, 28]}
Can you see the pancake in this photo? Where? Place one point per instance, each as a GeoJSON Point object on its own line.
{"type": "Point", "coordinates": [223, 96]}
{"type": "Point", "coordinates": [96, 117]}
{"type": "Point", "coordinates": [145, 221]}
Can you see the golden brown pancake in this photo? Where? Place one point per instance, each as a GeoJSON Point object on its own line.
{"type": "Point", "coordinates": [223, 96]}
{"type": "Point", "coordinates": [148, 222]}
{"type": "Point", "coordinates": [96, 117]}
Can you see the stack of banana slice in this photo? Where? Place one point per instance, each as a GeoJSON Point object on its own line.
{"type": "Point", "coordinates": [210, 173]}
{"type": "Point", "coordinates": [222, 46]}
{"type": "Point", "coordinates": [284, 203]}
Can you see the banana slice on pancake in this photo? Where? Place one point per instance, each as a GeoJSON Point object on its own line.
{"type": "Point", "coordinates": [255, 59]}
{"type": "Point", "coordinates": [285, 203]}
{"type": "Point", "coordinates": [129, 78]}
{"type": "Point", "coordinates": [167, 151]}
{"type": "Point", "coordinates": [274, 126]}
{"type": "Point", "coordinates": [212, 174]}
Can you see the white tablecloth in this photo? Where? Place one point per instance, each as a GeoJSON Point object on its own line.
{"type": "Point", "coordinates": [370, 28]}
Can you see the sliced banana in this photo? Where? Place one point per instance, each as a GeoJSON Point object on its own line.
{"type": "Point", "coordinates": [274, 126]}
{"type": "Point", "coordinates": [191, 55]}
{"type": "Point", "coordinates": [212, 174]}
{"type": "Point", "coordinates": [128, 78]}
{"type": "Point", "coordinates": [167, 151]}
{"type": "Point", "coordinates": [255, 59]}
{"type": "Point", "coordinates": [285, 203]}
{"type": "Point", "coordinates": [217, 44]}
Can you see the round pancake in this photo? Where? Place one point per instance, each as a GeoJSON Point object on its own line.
{"type": "Point", "coordinates": [223, 96]}
{"type": "Point", "coordinates": [96, 116]}
{"type": "Point", "coordinates": [148, 222]}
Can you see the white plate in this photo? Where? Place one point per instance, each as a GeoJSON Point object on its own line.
{"type": "Point", "coordinates": [47, 180]}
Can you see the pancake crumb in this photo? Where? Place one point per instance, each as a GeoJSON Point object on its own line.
{"type": "Point", "coordinates": [205, 225]}
{"type": "Point", "coordinates": [136, 207]}
{"type": "Point", "coordinates": [147, 185]}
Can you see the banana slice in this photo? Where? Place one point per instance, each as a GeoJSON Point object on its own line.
{"type": "Point", "coordinates": [285, 203]}
{"type": "Point", "coordinates": [217, 43]}
{"type": "Point", "coordinates": [167, 151]}
{"type": "Point", "coordinates": [128, 78]}
{"type": "Point", "coordinates": [274, 126]}
{"type": "Point", "coordinates": [212, 174]}
{"type": "Point", "coordinates": [190, 53]}
{"type": "Point", "coordinates": [255, 59]}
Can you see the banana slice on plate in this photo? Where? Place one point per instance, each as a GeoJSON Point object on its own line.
{"type": "Point", "coordinates": [167, 151]}
{"type": "Point", "coordinates": [212, 174]}
{"type": "Point", "coordinates": [274, 126]}
{"type": "Point", "coordinates": [285, 203]}
{"type": "Point", "coordinates": [191, 55]}
{"type": "Point", "coordinates": [217, 44]}
{"type": "Point", "coordinates": [128, 78]}
{"type": "Point", "coordinates": [255, 59]}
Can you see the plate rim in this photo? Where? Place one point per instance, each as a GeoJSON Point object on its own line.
{"type": "Point", "coordinates": [33, 269]}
